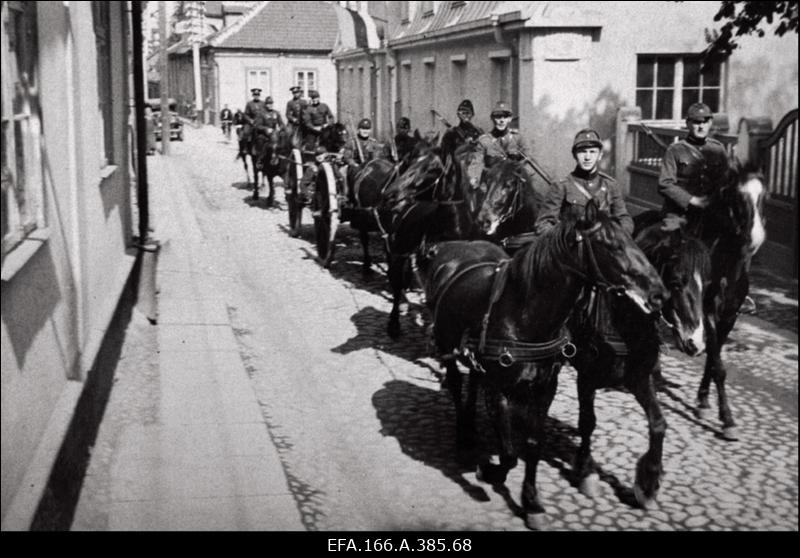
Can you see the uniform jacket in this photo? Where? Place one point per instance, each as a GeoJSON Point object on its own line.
{"type": "Point", "coordinates": [689, 169]}
{"type": "Point", "coordinates": [369, 147]}
{"type": "Point", "coordinates": [565, 197]}
{"type": "Point", "coordinates": [268, 121]}
{"type": "Point", "coordinates": [458, 135]}
{"type": "Point", "coordinates": [317, 115]}
{"type": "Point", "coordinates": [294, 111]}
{"type": "Point", "coordinates": [252, 109]}
{"type": "Point", "coordinates": [225, 114]}
{"type": "Point", "coordinates": [405, 145]}
{"type": "Point", "coordinates": [498, 146]}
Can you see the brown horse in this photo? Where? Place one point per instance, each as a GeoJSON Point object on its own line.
{"type": "Point", "coordinates": [505, 320]}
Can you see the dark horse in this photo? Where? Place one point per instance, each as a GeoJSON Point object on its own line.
{"type": "Point", "coordinates": [732, 226]}
{"type": "Point", "coordinates": [333, 137]}
{"type": "Point", "coordinates": [618, 346]}
{"type": "Point", "coordinates": [505, 320]}
{"type": "Point", "coordinates": [270, 159]}
{"type": "Point", "coordinates": [377, 188]}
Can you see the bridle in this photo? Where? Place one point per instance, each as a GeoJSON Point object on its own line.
{"type": "Point", "coordinates": [595, 276]}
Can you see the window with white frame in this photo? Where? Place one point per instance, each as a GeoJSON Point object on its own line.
{"type": "Point", "coordinates": [306, 80]}
{"type": "Point", "coordinates": [667, 85]}
{"type": "Point", "coordinates": [258, 78]}
{"type": "Point", "coordinates": [20, 163]}
{"type": "Point", "coordinates": [102, 36]}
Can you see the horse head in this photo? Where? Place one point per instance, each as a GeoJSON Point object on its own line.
{"type": "Point", "coordinates": [685, 267]}
{"type": "Point", "coordinates": [505, 196]}
{"type": "Point", "coordinates": [467, 167]}
{"type": "Point", "coordinates": [743, 196]}
{"type": "Point", "coordinates": [610, 259]}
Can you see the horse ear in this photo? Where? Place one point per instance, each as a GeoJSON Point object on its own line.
{"type": "Point", "coordinates": [416, 134]}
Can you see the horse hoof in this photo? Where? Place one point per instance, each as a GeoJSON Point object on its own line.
{"type": "Point", "coordinates": [590, 486]}
{"type": "Point", "coordinates": [645, 502]}
{"type": "Point", "coordinates": [730, 433]}
{"type": "Point", "coordinates": [703, 413]}
{"type": "Point", "coordinates": [536, 522]}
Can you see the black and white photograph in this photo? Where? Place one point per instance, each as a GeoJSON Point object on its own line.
{"type": "Point", "coordinates": [399, 276]}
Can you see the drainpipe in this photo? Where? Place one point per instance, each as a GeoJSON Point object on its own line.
{"type": "Point", "coordinates": [146, 297]}
{"type": "Point", "coordinates": [391, 60]}
{"type": "Point", "coordinates": [512, 43]}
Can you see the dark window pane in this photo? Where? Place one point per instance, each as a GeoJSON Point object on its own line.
{"type": "Point", "coordinates": [645, 72]}
{"type": "Point", "coordinates": [711, 98]}
{"type": "Point", "coordinates": [711, 75]}
{"type": "Point", "coordinates": [691, 72]}
{"type": "Point", "coordinates": [690, 97]}
{"type": "Point", "coordinates": [666, 72]}
{"type": "Point", "coordinates": [644, 100]}
{"type": "Point", "coordinates": [664, 103]}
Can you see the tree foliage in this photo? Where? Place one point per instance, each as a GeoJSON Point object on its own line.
{"type": "Point", "coordinates": [745, 18]}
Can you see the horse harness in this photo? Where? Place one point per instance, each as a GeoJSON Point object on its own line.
{"type": "Point", "coordinates": [505, 351]}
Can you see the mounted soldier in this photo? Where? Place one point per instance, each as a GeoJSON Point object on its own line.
{"type": "Point", "coordinates": [226, 118]}
{"type": "Point", "coordinates": [571, 194]}
{"type": "Point", "coordinates": [359, 151]}
{"type": "Point", "coordinates": [316, 116]}
{"type": "Point", "coordinates": [253, 108]}
{"type": "Point", "coordinates": [403, 139]}
{"type": "Point", "coordinates": [463, 132]}
{"type": "Point", "coordinates": [268, 123]}
{"type": "Point", "coordinates": [294, 110]}
{"type": "Point", "coordinates": [502, 141]}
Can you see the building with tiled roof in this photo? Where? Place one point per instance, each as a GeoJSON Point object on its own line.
{"type": "Point", "coordinates": [561, 66]}
{"type": "Point", "coordinates": [273, 46]}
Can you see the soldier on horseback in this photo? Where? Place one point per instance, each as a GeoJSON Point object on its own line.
{"type": "Point", "coordinates": [253, 108]}
{"type": "Point", "coordinates": [463, 132]}
{"type": "Point", "coordinates": [316, 116]}
{"type": "Point", "coordinates": [359, 151]}
{"type": "Point", "coordinates": [584, 183]}
{"type": "Point", "coordinates": [502, 141]}
{"type": "Point", "coordinates": [294, 110]}
{"type": "Point", "coordinates": [403, 139]}
{"type": "Point", "coordinates": [268, 123]}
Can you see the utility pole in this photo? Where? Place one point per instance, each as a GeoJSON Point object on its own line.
{"type": "Point", "coordinates": [165, 115]}
{"type": "Point", "coordinates": [197, 29]}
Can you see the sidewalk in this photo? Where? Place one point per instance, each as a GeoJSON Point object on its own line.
{"type": "Point", "coordinates": [200, 457]}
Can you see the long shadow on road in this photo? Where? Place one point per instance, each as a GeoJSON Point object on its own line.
{"type": "Point", "coordinates": [423, 422]}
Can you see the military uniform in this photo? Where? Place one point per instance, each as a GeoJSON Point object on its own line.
{"type": "Point", "coordinates": [225, 115]}
{"type": "Point", "coordinates": [268, 122]}
{"type": "Point", "coordinates": [294, 112]}
{"type": "Point", "coordinates": [570, 195]}
{"type": "Point", "coordinates": [405, 145]}
{"type": "Point", "coordinates": [370, 148]}
{"type": "Point", "coordinates": [315, 115]}
{"type": "Point", "coordinates": [459, 135]}
{"type": "Point", "coordinates": [253, 108]}
{"type": "Point", "coordinates": [690, 168]}
{"type": "Point", "coordinates": [498, 145]}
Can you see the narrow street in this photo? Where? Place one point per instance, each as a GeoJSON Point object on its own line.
{"type": "Point", "coordinates": [365, 434]}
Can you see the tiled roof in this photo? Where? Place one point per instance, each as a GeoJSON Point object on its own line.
{"type": "Point", "coordinates": [284, 26]}
{"type": "Point", "coordinates": [447, 15]}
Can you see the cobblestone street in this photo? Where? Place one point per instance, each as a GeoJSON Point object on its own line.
{"type": "Point", "coordinates": [365, 434]}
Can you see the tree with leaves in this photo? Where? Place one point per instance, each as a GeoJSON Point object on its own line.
{"type": "Point", "coordinates": [745, 18]}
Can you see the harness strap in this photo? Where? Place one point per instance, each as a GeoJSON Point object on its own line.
{"type": "Point", "coordinates": [509, 351]}
{"type": "Point", "coordinates": [511, 243]}
{"type": "Point", "coordinates": [438, 295]}
{"type": "Point", "coordinates": [498, 285]}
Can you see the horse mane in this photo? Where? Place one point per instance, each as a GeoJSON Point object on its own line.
{"type": "Point", "coordinates": [676, 248]}
{"type": "Point", "coordinates": [542, 259]}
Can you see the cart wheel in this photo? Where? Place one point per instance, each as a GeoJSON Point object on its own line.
{"type": "Point", "coordinates": [322, 231]}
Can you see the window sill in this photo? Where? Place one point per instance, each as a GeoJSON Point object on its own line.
{"type": "Point", "coordinates": [107, 171]}
{"type": "Point", "coordinates": [24, 251]}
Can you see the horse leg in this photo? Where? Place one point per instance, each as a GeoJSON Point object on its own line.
{"type": "Point", "coordinates": [366, 267]}
{"type": "Point", "coordinates": [465, 421]}
{"type": "Point", "coordinates": [395, 273]}
{"type": "Point", "coordinates": [271, 196]}
{"type": "Point", "coordinates": [499, 409]}
{"type": "Point", "coordinates": [538, 400]}
{"type": "Point", "coordinates": [649, 467]}
{"type": "Point", "coordinates": [585, 468]}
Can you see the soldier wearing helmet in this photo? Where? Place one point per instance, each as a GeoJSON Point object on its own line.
{"type": "Point", "coordinates": [252, 109]}
{"type": "Point", "coordinates": [316, 116]}
{"type": "Point", "coordinates": [363, 148]}
{"type": "Point", "coordinates": [502, 142]}
{"type": "Point", "coordinates": [693, 167]}
{"type": "Point", "coordinates": [403, 139]}
{"type": "Point", "coordinates": [269, 121]}
{"type": "Point", "coordinates": [571, 194]}
{"type": "Point", "coordinates": [294, 109]}
{"type": "Point", "coordinates": [464, 132]}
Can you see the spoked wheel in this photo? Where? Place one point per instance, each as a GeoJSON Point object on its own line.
{"type": "Point", "coordinates": [327, 223]}
{"type": "Point", "coordinates": [292, 188]}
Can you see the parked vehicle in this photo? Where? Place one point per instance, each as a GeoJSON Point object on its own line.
{"type": "Point", "coordinates": [175, 123]}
